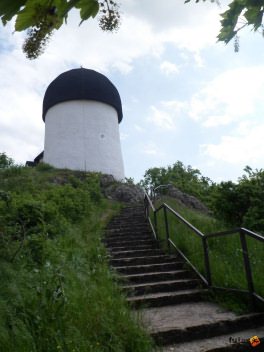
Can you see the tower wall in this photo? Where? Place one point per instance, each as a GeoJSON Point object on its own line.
{"type": "Point", "coordinates": [83, 135]}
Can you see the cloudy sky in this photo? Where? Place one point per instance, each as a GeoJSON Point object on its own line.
{"type": "Point", "coordinates": [185, 97]}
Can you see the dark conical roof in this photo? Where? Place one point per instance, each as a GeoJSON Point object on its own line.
{"type": "Point", "coordinates": [82, 84]}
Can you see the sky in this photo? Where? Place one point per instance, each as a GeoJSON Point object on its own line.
{"type": "Point", "coordinates": [185, 96]}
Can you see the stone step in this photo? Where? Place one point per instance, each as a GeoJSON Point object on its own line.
{"type": "Point", "coordinates": [146, 268]}
{"type": "Point", "coordinates": [222, 343]}
{"type": "Point", "coordinates": [127, 228]}
{"type": "Point", "coordinates": [127, 231]}
{"type": "Point", "coordinates": [161, 286]}
{"type": "Point", "coordinates": [135, 237]}
{"type": "Point", "coordinates": [127, 223]}
{"type": "Point", "coordinates": [136, 253]}
{"type": "Point", "coordinates": [158, 276]}
{"type": "Point", "coordinates": [134, 218]}
{"type": "Point", "coordinates": [131, 243]}
{"type": "Point", "coordinates": [124, 212]}
{"type": "Point", "coordinates": [191, 321]}
{"type": "Point", "coordinates": [129, 235]}
{"type": "Point", "coordinates": [116, 248]}
{"type": "Point", "coordinates": [155, 259]}
{"type": "Point", "coordinates": [162, 299]}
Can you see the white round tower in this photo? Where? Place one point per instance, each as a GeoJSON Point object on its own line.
{"type": "Point", "coordinates": [81, 111]}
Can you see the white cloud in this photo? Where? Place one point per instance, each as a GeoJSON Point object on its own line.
{"type": "Point", "coordinates": [243, 147]}
{"type": "Point", "coordinates": [169, 68]}
{"type": "Point", "coordinates": [123, 136]}
{"type": "Point", "coordinates": [152, 149]}
{"type": "Point", "coordinates": [139, 128]}
{"type": "Point", "coordinates": [174, 105]}
{"type": "Point", "coordinates": [165, 116]}
{"type": "Point", "coordinates": [161, 118]}
{"type": "Point", "coordinates": [229, 97]}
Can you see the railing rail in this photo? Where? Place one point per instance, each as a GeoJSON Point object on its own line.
{"type": "Point", "coordinates": [243, 233]}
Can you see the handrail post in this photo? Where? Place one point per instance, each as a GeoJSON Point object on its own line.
{"type": "Point", "coordinates": [206, 261]}
{"type": "Point", "coordinates": [247, 266]}
{"type": "Point", "coordinates": [167, 228]}
{"type": "Point", "coordinates": [156, 225]}
{"type": "Point", "coordinates": [146, 207]}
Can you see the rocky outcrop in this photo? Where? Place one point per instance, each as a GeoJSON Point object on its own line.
{"type": "Point", "coordinates": [187, 200]}
{"type": "Point", "coordinates": [123, 192]}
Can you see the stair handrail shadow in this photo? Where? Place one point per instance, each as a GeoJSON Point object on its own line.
{"type": "Point", "coordinates": [207, 279]}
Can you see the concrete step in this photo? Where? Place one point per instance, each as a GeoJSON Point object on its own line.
{"type": "Point", "coordinates": [147, 268]}
{"type": "Point", "coordinates": [160, 286]}
{"type": "Point", "coordinates": [132, 243]}
{"type": "Point", "coordinates": [114, 238]}
{"type": "Point", "coordinates": [131, 238]}
{"type": "Point", "coordinates": [127, 230]}
{"type": "Point", "coordinates": [126, 226]}
{"type": "Point", "coordinates": [114, 249]}
{"type": "Point", "coordinates": [236, 341]}
{"type": "Point", "coordinates": [158, 276]}
{"type": "Point", "coordinates": [130, 219]}
{"type": "Point", "coordinates": [154, 259]}
{"type": "Point", "coordinates": [137, 253]}
{"type": "Point", "coordinates": [162, 299]}
{"type": "Point", "coordinates": [127, 223]}
{"type": "Point", "coordinates": [192, 321]}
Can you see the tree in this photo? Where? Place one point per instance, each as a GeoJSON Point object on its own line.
{"type": "Point", "coordinates": [241, 14]}
{"type": "Point", "coordinates": [5, 161]}
{"type": "Point", "coordinates": [183, 177]}
{"type": "Point", "coordinates": [41, 17]}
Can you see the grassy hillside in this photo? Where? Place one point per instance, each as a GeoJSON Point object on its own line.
{"type": "Point", "coordinates": [56, 290]}
{"type": "Point", "coordinates": [225, 253]}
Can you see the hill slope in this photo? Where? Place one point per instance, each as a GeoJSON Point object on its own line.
{"type": "Point", "coordinates": [57, 293]}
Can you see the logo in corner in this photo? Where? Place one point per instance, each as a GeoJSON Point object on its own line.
{"type": "Point", "coordinates": [254, 341]}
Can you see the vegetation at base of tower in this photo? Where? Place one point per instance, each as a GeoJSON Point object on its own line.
{"type": "Point", "coordinates": [56, 290]}
{"type": "Point", "coordinates": [41, 17]}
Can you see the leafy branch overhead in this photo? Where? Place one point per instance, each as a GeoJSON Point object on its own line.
{"type": "Point", "coordinates": [41, 17]}
{"type": "Point", "coordinates": [240, 14]}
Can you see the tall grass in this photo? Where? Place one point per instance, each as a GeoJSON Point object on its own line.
{"type": "Point", "coordinates": [57, 292]}
{"type": "Point", "coordinates": [225, 253]}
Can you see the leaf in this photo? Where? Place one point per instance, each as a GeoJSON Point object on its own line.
{"type": "Point", "coordinates": [25, 18]}
{"type": "Point", "coordinates": [29, 15]}
{"type": "Point", "coordinates": [9, 8]}
{"type": "Point", "coordinates": [254, 16]}
{"type": "Point", "coordinates": [88, 8]}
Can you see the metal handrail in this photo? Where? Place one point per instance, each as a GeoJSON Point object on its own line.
{"type": "Point", "coordinates": [207, 280]}
{"type": "Point", "coordinates": [154, 190]}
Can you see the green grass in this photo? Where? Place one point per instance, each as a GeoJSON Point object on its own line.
{"type": "Point", "coordinates": [57, 292]}
{"type": "Point", "coordinates": [225, 254]}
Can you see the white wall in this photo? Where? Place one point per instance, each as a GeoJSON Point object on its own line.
{"type": "Point", "coordinates": [83, 135]}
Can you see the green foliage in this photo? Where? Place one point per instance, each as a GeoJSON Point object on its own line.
{"type": "Point", "coordinates": [56, 290]}
{"type": "Point", "coordinates": [5, 161]}
{"type": "Point", "coordinates": [41, 17]}
{"type": "Point", "coordinates": [241, 204]}
{"type": "Point", "coordinates": [185, 178]}
{"type": "Point", "coordinates": [240, 14]}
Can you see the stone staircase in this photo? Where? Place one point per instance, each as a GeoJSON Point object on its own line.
{"type": "Point", "coordinates": [169, 297]}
